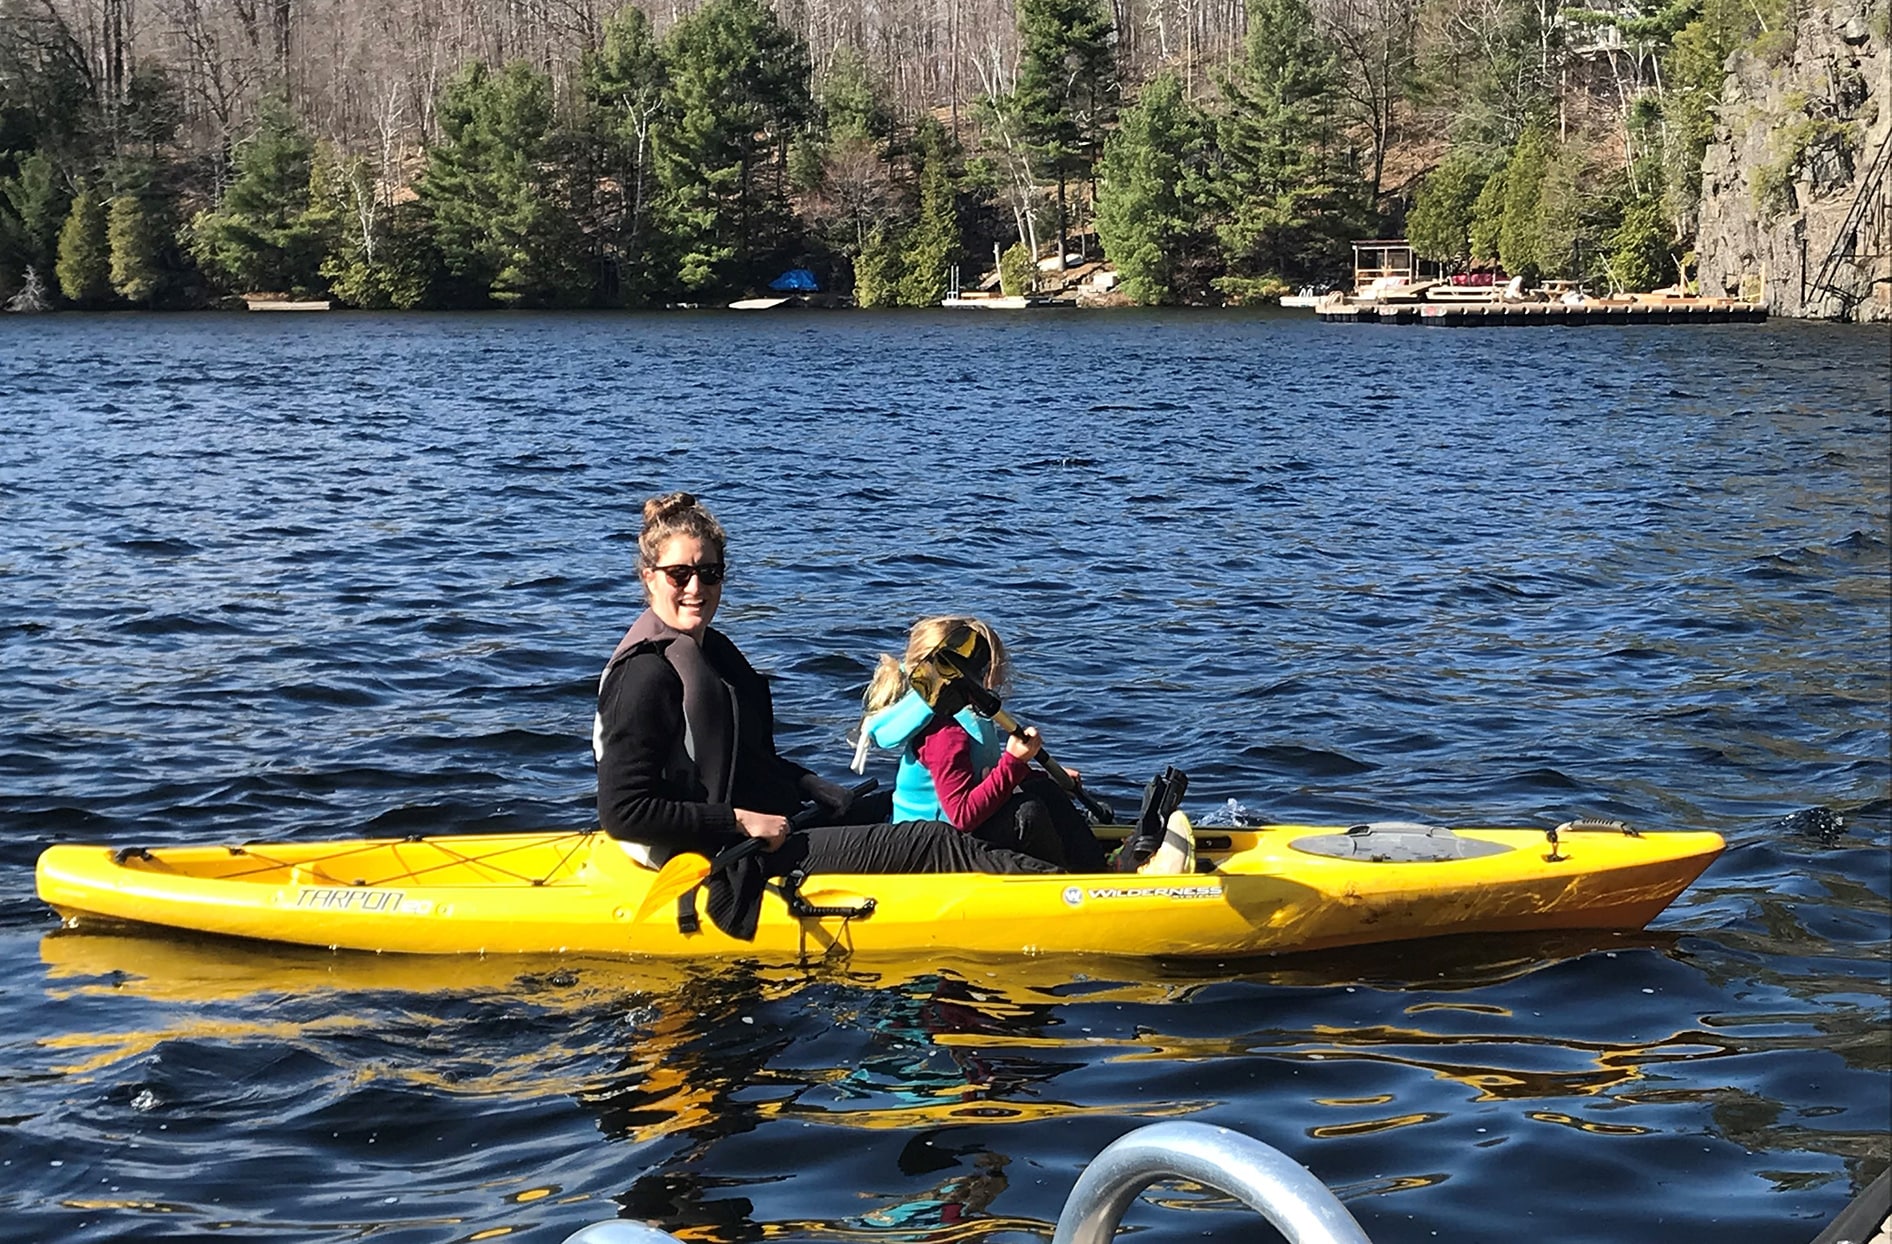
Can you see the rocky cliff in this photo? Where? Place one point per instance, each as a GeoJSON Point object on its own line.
{"type": "Point", "coordinates": [1796, 204]}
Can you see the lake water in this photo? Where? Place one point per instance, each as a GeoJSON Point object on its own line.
{"type": "Point", "coordinates": [310, 577]}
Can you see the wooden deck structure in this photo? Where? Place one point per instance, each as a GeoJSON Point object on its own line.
{"type": "Point", "coordinates": [1518, 314]}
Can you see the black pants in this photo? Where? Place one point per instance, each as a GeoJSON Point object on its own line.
{"type": "Point", "coordinates": [903, 847]}
{"type": "Point", "coordinates": [1042, 822]}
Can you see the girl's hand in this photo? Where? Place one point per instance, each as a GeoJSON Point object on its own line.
{"type": "Point", "coordinates": [1026, 745]}
{"type": "Point", "coordinates": [771, 829]}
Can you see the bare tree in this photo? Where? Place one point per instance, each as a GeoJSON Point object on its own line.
{"type": "Point", "coordinates": [1004, 139]}
{"type": "Point", "coordinates": [1376, 40]}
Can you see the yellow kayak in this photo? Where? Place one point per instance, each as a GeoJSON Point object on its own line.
{"type": "Point", "coordinates": [1261, 891]}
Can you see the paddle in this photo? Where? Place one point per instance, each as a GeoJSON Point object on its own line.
{"type": "Point", "coordinates": [946, 684]}
{"type": "Point", "coordinates": [683, 873]}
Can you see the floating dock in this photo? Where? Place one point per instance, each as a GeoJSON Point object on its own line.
{"type": "Point", "coordinates": [1506, 314]}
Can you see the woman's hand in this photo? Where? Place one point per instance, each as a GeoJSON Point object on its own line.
{"type": "Point", "coordinates": [771, 829]}
{"type": "Point", "coordinates": [1026, 745]}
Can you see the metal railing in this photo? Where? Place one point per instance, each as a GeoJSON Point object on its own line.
{"type": "Point", "coordinates": [1265, 1179]}
{"type": "Point", "coordinates": [1259, 1175]}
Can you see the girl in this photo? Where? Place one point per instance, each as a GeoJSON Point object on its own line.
{"type": "Point", "coordinates": [962, 768]}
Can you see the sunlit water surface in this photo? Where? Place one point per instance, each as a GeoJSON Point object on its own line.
{"type": "Point", "coordinates": [309, 577]}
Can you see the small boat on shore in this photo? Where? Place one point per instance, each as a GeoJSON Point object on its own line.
{"type": "Point", "coordinates": [1260, 891]}
{"type": "Point", "coordinates": [1005, 302]}
{"type": "Point", "coordinates": [1306, 296]}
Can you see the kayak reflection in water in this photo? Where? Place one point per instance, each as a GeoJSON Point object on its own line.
{"type": "Point", "coordinates": [685, 744]}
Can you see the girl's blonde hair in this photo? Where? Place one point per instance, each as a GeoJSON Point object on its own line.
{"type": "Point", "coordinates": [676, 514]}
{"type": "Point", "coordinates": [927, 637]}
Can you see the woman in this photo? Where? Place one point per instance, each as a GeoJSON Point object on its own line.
{"type": "Point", "coordinates": [685, 743]}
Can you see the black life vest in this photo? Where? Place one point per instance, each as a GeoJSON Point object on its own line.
{"type": "Point", "coordinates": [705, 758]}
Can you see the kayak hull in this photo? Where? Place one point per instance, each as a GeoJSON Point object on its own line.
{"type": "Point", "coordinates": [1273, 889]}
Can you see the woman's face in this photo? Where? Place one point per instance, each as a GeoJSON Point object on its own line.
{"type": "Point", "coordinates": [687, 606]}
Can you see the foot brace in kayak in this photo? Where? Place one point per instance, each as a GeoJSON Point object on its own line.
{"type": "Point", "coordinates": [1178, 852]}
{"type": "Point", "coordinates": [1161, 797]}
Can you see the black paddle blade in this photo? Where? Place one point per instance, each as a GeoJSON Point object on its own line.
{"type": "Point", "coordinates": [973, 652]}
{"type": "Point", "coordinates": [964, 659]}
{"type": "Point", "coordinates": [942, 687]}
{"type": "Point", "coordinates": [952, 676]}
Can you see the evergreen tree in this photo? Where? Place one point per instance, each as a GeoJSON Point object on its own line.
{"type": "Point", "coordinates": [395, 265]}
{"type": "Point", "coordinates": [263, 238]}
{"type": "Point", "coordinates": [334, 183]}
{"type": "Point", "coordinates": [492, 189]}
{"type": "Point", "coordinates": [1289, 204]}
{"type": "Point", "coordinates": [33, 205]}
{"type": "Point", "coordinates": [738, 92]}
{"type": "Point", "coordinates": [1068, 89]}
{"type": "Point", "coordinates": [133, 242]}
{"type": "Point", "coordinates": [933, 246]}
{"type": "Point", "coordinates": [849, 101]}
{"type": "Point", "coordinates": [624, 83]}
{"type": "Point", "coordinates": [1520, 234]}
{"type": "Point", "coordinates": [1439, 226]}
{"type": "Point", "coordinates": [842, 163]}
{"type": "Point", "coordinates": [877, 272]}
{"type": "Point", "coordinates": [1695, 69]}
{"type": "Point", "coordinates": [1018, 271]}
{"type": "Point", "coordinates": [49, 102]}
{"type": "Point", "coordinates": [1148, 194]}
{"type": "Point", "coordinates": [1560, 211]}
{"type": "Point", "coordinates": [84, 266]}
{"type": "Point", "coordinates": [1639, 254]}
{"type": "Point", "coordinates": [1488, 219]}
{"type": "Point", "coordinates": [1494, 69]}
{"type": "Point", "coordinates": [154, 110]}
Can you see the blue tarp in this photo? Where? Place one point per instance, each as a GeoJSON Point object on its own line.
{"type": "Point", "coordinates": [795, 278]}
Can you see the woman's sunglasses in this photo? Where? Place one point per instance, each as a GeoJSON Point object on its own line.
{"type": "Point", "coordinates": [710, 572]}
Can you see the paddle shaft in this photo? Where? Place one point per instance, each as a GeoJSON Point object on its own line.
{"type": "Point", "coordinates": [945, 671]}
{"type": "Point", "coordinates": [1057, 772]}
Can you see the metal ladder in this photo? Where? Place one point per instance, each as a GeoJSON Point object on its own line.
{"type": "Point", "coordinates": [1262, 1177]}
{"type": "Point", "coordinates": [1846, 244]}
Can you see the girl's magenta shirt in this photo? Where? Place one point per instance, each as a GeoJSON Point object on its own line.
{"type": "Point", "coordinates": [968, 798]}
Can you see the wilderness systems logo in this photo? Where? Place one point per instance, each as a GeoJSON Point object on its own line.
{"type": "Point", "coordinates": [1075, 896]}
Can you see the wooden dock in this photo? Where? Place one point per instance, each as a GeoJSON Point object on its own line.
{"type": "Point", "coordinates": [1512, 314]}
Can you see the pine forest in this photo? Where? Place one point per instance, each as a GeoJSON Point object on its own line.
{"type": "Point", "coordinates": [568, 153]}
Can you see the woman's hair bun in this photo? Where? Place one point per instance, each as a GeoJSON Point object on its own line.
{"type": "Point", "coordinates": [677, 514]}
{"type": "Point", "coordinates": [659, 509]}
